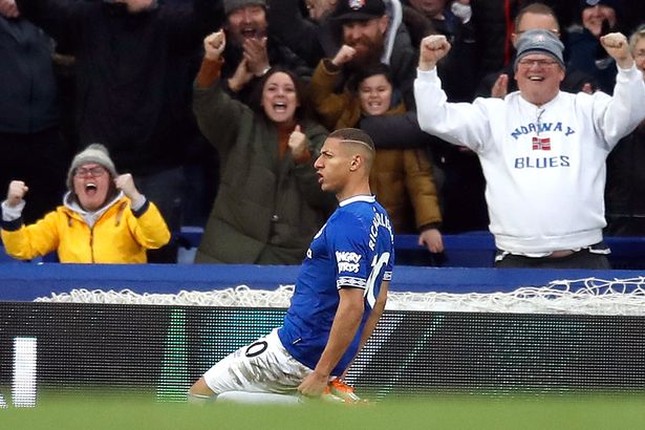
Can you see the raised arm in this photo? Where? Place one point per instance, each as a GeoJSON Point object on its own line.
{"type": "Point", "coordinates": [432, 49]}
{"type": "Point", "coordinates": [218, 116]}
{"type": "Point", "coordinates": [626, 109]}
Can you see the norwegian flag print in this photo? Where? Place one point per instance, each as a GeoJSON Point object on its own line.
{"type": "Point", "coordinates": [541, 143]}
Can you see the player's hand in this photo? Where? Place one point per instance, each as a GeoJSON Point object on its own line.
{"type": "Point", "coordinates": [433, 48]}
{"type": "Point", "coordinates": [500, 87]}
{"type": "Point", "coordinates": [16, 193]}
{"type": "Point", "coordinates": [617, 47]}
{"type": "Point", "coordinates": [214, 45]}
{"type": "Point", "coordinates": [432, 240]}
{"type": "Point", "coordinates": [313, 385]}
{"type": "Point", "coordinates": [256, 55]}
{"type": "Point", "coordinates": [344, 55]}
{"type": "Point", "coordinates": [9, 9]}
{"type": "Point", "coordinates": [125, 183]}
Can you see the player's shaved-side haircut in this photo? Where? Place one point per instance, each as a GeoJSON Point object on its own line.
{"type": "Point", "coordinates": [355, 136]}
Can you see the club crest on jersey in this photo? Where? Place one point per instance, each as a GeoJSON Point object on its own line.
{"type": "Point", "coordinates": [356, 4]}
{"type": "Point", "coordinates": [541, 143]}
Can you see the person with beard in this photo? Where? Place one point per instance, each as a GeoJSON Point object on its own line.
{"type": "Point", "coordinates": [251, 49]}
{"type": "Point", "coordinates": [269, 204]}
{"type": "Point", "coordinates": [597, 18]}
{"type": "Point", "coordinates": [104, 218]}
{"type": "Point", "coordinates": [132, 85]}
{"type": "Point", "coordinates": [374, 27]}
{"type": "Point", "coordinates": [377, 34]}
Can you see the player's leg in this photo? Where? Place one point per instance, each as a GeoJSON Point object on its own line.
{"type": "Point", "coordinates": [264, 366]}
{"type": "Point", "coordinates": [259, 398]}
{"type": "Point", "coordinates": [200, 393]}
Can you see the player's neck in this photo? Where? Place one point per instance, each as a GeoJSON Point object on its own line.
{"type": "Point", "coordinates": [358, 190]}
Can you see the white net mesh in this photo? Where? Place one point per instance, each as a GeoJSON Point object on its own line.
{"type": "Point", "coordinates": [590, 296]}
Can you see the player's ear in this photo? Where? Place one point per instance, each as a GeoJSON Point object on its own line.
{"type": "Point", "coordinates": [357, 160]}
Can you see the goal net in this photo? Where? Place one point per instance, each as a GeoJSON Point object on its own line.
{"type": "Point", "coordinates": [592, 296]}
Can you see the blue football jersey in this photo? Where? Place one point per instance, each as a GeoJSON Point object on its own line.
{"type": "Point", "coordinates": [355, 249]}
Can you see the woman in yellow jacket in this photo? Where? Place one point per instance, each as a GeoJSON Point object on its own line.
{"type": "Point", "coordinates": [401, 178]}
{"type": "Point", "coordinates": [103, 219]}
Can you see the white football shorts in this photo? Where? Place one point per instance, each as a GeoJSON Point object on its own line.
{"type": "Point", "coordinates": [264, 366]}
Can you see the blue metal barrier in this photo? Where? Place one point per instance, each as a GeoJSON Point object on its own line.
{"type": "Point", "coordinates": [472, 249]}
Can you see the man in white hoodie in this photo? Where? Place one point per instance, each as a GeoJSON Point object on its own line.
{"type": "Point", "coordinates": [542, 150]}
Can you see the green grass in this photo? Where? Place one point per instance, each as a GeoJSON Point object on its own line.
{"type": "Point", "coordinates": [96, 413]}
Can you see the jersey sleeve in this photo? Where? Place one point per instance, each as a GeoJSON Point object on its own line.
{"type": "Point", "coordinates": [350, 250]}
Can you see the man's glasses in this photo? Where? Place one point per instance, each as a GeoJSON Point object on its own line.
{"type": "Point", "coordinates": [539, 63]}
{"type": "Point", "coordinates": [93, 172]}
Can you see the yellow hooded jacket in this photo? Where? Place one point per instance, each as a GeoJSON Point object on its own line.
{"type": "Point", "coordinates": [119, 235]}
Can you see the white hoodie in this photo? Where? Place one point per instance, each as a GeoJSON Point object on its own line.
{"type": "Point", "coordinates": [544, 167]}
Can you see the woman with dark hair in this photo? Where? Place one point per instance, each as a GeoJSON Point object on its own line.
{"type": "Point", "coordinates": [269, 204]}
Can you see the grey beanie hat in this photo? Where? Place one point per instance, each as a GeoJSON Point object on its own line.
{"type": "Point", "coordinates": [539, 42]}
{"type": "Point", "coordinates": [94, 153]}
{"type": "Point", "coordinates": [231, 5]}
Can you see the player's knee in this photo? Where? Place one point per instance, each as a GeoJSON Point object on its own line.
{"type": "Point", "coordinates": [200, 392]}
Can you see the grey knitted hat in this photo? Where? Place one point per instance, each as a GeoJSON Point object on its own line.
{"type": "Point", "coordinates": [539, 42]}
{"type": "Point", "coordinates": [94, 153]}
{"type": "Point", "coordinates": [231, 5]}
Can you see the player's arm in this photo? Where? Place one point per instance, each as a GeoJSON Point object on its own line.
{"type": "Point", "coordinates": [375, 316]}
{"type": "Point", "coordinates": [346, 322]}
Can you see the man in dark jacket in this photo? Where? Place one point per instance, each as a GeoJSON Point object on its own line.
{"type": "Point", "coordinates": [133, 84]}
{"type": "Point", "coordinates": [252, 49]}
{"type": "Point", "coordinates": [31, 146]}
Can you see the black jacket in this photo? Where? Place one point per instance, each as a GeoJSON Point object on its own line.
{"type": "Point", "coordinates": [133, 80]}
{"type": "Point", "coordinates": [28, 95]}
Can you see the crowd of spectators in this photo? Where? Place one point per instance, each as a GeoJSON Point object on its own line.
{"type": "Point", "coordinates": [212, 139]}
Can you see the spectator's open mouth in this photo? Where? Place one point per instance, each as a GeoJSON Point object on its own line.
{"type": "Point", "coordinates": [90, 188]}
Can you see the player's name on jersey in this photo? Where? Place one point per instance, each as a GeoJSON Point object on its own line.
{"type": "Point", "coordinates": [379, 220]}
